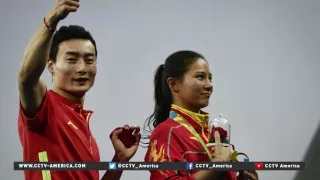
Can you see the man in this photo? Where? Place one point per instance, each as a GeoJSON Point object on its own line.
{"type": "Point", "coordinates": [53, 126]}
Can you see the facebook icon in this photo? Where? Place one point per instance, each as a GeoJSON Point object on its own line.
{"type": "Point", "coordinates": [189, 166]}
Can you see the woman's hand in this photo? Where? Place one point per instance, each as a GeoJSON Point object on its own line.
{"type": "Point", "coordinates": [221, 153]}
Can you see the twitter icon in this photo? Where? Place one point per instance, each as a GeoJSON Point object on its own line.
{"type": "Point", "coordinates": [112, 165]}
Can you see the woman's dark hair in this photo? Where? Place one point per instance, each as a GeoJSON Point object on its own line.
{"type": "Point", "coordinates": [175, 66]}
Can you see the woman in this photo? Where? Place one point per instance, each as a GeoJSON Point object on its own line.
{"type": "Point", "coordinates": [182, 88]}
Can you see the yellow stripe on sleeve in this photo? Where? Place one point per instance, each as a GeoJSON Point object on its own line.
{"type": "Point", "coordinates": [43, 157]}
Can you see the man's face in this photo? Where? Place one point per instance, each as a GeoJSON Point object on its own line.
{"type": "Point", "coordinates": [75, 68]}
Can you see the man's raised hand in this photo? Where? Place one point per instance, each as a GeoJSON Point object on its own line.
{"type": "Point", "coordinates": [60, 10]}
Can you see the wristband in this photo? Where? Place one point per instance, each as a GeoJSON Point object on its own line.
{"type": "Point", "coordinates": [50, 28]}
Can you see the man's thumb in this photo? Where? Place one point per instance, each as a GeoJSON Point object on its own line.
{"type": "Point", "coordinates": [115, 133]}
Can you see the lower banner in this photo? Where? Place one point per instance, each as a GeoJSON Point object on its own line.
{"type": "Point", "coordinates": [231, 166]}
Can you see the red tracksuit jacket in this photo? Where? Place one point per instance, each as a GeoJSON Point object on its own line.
{"type": "Point", "coordinates": [172, 142]}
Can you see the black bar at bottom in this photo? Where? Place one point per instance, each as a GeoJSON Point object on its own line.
{"type": "Point", "coordinates": [232, 166]}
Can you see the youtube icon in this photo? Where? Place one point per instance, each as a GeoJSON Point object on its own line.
{"type": "Point", "coordinates": [258, 165]}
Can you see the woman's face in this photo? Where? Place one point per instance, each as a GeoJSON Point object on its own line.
{"type": "Point", "coordinates": [194, 89]}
